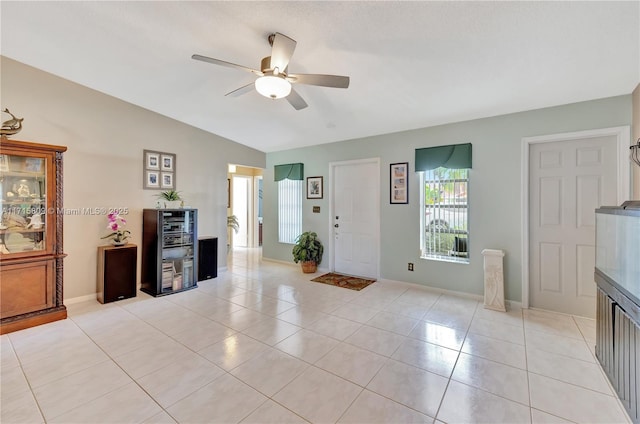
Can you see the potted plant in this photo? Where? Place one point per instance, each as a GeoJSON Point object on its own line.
{"type": "Point", "coordinates": [171, 196]}
{"type": "Point", "coordinates": [308, 250]}
{"type": "Point", "coordinates": [232, 223]}
{"type": "Point", "coordinates": [118, 235]}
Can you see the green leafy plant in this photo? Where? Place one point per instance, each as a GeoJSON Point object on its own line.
{"type": "Point", "coordinates": [170, 195]}
{"type": "Point", "coordinates": [232, 222]}
{"type": "Point", "coordinates": [308, 248]}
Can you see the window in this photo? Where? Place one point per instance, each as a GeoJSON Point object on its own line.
{"type": "Point", "coordinates": [444, 184]}
{"type": "Point", "coordinates": [290, 188]}
{"type": "Point", "coordinates": [289, 210]}
{"type": "Point", "coordinates": [445, 230]}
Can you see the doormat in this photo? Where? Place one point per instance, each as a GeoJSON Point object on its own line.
{"type": "Point", "coordinates": [346, 281]}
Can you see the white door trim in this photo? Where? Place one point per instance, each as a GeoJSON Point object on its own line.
{"type": "Point", "coordinates": [623, 140]}
{"type": "Point", "coordinates": [332, 166]}
{"type": "Point", "coordinates": [255, 239]}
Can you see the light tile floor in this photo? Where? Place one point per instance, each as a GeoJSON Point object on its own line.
{"type": "Point", "coordinates": [263, 344]}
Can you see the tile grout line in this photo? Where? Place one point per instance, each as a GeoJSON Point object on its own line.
{"type": "Point", "coordinates": [444, 394]}
{"type": "Point", "coordinates": [24, 375]}
{"type": "Point", "coordinates": [125, 372]}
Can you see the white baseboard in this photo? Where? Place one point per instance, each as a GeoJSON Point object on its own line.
{"type": "Point", "coordinates": [514, 303]}
{"type": "Point", "coordinates": [79, 299]}
{"type": "Point", "coordinates": [437, 289]}
{"type": "Point", "coordinates": [279, 261]}
{"type": "Point", "coordinates": [478, 297]}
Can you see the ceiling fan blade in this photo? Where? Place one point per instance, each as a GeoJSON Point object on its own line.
{"type": "Point", "coordinates": [281, 51]}
{"type": "Point", "coordinates": [296, 101]}
{"type": "Point", "coordinates": [336, 81]}
{"type": "Point", "coordinates": [240, 91]}
{"type": "Point", "coordinates": [223, 63]}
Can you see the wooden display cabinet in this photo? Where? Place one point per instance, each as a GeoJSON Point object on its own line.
{"type": "Point", "coordinates": [31, 256]}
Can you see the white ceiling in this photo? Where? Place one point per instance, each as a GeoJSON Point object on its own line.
{"type": "Point", "coordinates": [412, 64]}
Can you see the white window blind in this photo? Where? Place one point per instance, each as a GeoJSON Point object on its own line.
{"type": "Point", "coordinates": [289, 210]}
{"type": "Point", "coordinates": [445, 231]}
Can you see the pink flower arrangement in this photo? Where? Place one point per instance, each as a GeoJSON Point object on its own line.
{"type": "Point", "coordinates": [116, 225]}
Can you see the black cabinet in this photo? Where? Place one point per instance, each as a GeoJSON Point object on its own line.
{"type": "Point", "coordinates": [207, 258]}
{"type": "Point", "coordinates": [618, 344]}
{"type": "Point", "coordinates": [117, 272]}
{"type": "Point", "coordinates": [617, 276]}
{"type": "Point", "coordinates": [169, 251]}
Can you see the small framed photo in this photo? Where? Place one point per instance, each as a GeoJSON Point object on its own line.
{"type": "Point", "coordinates": [399, 183]}
{"type": "Point", "coordinates": [152, 160]}
{"type": "Point", "coordinates": [152, 179]}
{"type": "Point", "coordinates": [167, 180]}
{"type": "Point", "coordinates": [167, 162]}
{"type": "Point", "coordinates": [4, 163]}
{"type": "Point", "coordinates": [314, 187]}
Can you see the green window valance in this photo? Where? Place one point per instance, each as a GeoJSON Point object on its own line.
{"type": "Point", "coordinates": [291, 171]}
{"type": "Point", "coordinates": [454, 156]}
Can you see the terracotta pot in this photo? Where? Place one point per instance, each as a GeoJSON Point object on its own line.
{"type": "Point", "coordinates": [309, 267]}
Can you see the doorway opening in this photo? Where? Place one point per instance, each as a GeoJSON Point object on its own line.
{"type": "Point", "coordinates": [244, 208]}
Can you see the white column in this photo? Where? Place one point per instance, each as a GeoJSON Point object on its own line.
{"type": "Point", "coordinates": [493, 280]}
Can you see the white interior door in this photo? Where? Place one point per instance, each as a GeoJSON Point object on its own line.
{"type": "Point", "coordinates": [568, 180]}
{"type": "Point", "coordinates": [356, 217]}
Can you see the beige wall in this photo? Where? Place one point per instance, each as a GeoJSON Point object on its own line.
{"type": "Point", "coordinates": [103, 165]}
{"type": "Point", "coordinates": [635, 136]}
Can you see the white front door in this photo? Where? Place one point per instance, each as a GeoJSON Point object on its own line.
{"type": "Point", "coordinates": [568, 180]}
{"type": "Point", "coordinates": [356, 217]}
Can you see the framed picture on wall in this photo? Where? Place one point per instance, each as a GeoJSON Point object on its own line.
{"type": "Point", "coordinates": [158, 170]}
{"type": "Point", "coordinates": [152, 179]}
{"type": "Point", "coordinates": [399, 183]}
{"type": "Point", "coordinates": [152, 160]}
{"type": "Point", "coordinates": [167, 180]}
{"type": "Point", "coordinates": [167, 162]}
{"type": "Point", "coordinates": [314, 187]}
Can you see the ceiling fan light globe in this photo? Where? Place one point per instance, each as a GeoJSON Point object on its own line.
{"type": "Point", "coordinates": [273, 87]}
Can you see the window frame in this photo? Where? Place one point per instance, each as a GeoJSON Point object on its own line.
{"type": "Point", "coordinates": [287, 235]}
{"type": "Point", "coordinates": [425, 252]}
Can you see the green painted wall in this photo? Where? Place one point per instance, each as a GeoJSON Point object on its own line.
{"type": "Point", "coordinates": [494, 190]}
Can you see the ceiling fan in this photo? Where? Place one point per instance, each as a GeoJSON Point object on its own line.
{"type": "Point", "coordinates": [274, 80]}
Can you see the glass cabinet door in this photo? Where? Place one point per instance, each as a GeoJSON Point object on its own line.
{"type": "Point", "coordinates": [23, 197]}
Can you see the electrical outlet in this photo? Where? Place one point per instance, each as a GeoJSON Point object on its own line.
{"type": "Point", "coordinates": [410, 266]}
